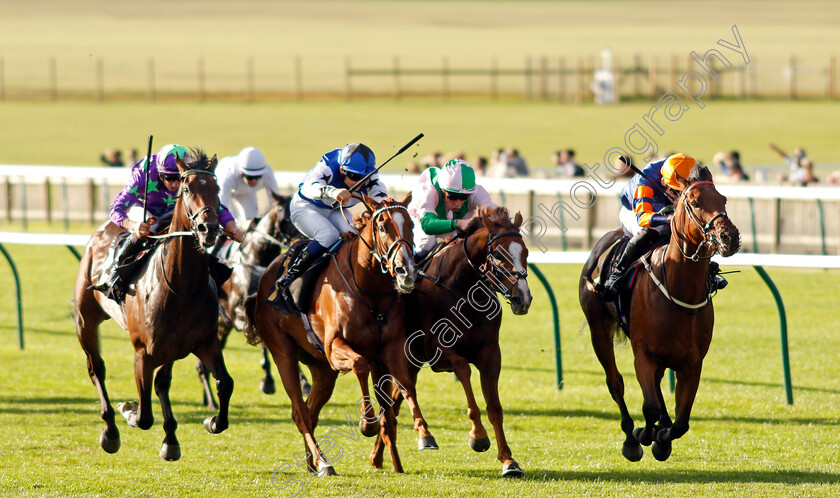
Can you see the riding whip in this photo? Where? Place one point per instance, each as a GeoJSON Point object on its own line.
{"type": "Point", "coordinates": [146, 170]}
{"type": "Point", "coordinates": [365, 178]}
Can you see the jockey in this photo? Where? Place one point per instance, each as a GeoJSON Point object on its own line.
{"type": "Point", "coordinates": [240, 178]}
{"type": "Point", "coordinates": [645, 215]}
{"type": "Point", "coordinates": [164, 185]}
{"type": "Point", "coordinates": [443, 201]}
{"type": "Point", "coordinates": [312, 210]}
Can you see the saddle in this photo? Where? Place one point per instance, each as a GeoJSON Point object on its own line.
{"type": "Point", "coordinates": [607, 263]}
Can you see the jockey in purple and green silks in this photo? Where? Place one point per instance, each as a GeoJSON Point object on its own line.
{"type": "Point", "coordinates": [443, 201]}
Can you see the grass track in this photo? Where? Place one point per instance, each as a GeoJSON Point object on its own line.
{"type": "Point", "coordinates": [744, 440]}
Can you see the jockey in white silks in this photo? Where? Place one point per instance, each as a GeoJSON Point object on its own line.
{"type": "Point", "coordinates": [312, 210]}
{"type": "Point", "coordinates": [443, 201]}
{"type": "Point", "coordinates": [240, 178]}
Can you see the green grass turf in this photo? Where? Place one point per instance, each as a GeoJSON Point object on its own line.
{"type": "Point", "coordinates": [744, 439]}
{"type": "Point", "coordinates": [293, 135]}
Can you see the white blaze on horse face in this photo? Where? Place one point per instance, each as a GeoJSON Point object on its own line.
{"type": "Point", "coordinates": [515, 249]}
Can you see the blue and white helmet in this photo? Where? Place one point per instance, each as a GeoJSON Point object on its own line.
{"type": "Point", "coordinates": [356, 158]}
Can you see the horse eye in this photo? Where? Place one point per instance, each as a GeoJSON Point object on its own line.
{"type": "Point", "coordinates": [695, 204]}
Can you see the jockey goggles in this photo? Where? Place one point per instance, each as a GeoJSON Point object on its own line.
{"type": "Point", "coordinates": [170, 177]}
{"type": "Point", "coordinates": [456, 196]}
{"type": "Point", "coordinates": [250, 178]}
{"type": "Point", "coordinates": [353, 176]}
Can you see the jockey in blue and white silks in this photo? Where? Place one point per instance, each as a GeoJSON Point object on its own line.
{"type": "Point", "coordinates": [328, 183]}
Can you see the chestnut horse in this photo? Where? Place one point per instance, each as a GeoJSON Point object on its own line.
{"type": "Point", "coordinates": [671, 313]}
{"type": "Point", "coordinates": [454, 318]}
{"type": "Point", "coordinates": [358, 316]}
{"type": "Point", "coordinates": [263, 241]}
{"type": "Point", "coordinates": [172, 312]}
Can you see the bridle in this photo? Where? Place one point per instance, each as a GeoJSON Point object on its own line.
{"type": "Point", "coordinates": [386, 257]}
{"type": "Point", "coordinates": [707, 241]}
{"type": "Point", "coordinates": [493, 266]}
{"type": "Point", "coordinates": [192, 217]}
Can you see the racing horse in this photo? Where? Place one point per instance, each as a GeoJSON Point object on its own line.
{"type": "Point", "coordinates": [357, 319]}
{"type": "Point", "coordinates": [172, 312]}
{"type": "Point", "coordinates": [263, 241]}
{"type": "Point", "coordinates": [454, 318]}
{"type": "Point", "coordinates": [671, 314]}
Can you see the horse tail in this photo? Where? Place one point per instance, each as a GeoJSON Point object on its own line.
{"type": "Point", "coordinates": [250, 329]}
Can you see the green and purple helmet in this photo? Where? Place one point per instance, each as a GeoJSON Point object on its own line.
{"type": "Point", "coordinates": [167, 156]}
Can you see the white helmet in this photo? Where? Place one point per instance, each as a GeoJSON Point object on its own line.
{"type": "Point", "coordinates": [252, 162]}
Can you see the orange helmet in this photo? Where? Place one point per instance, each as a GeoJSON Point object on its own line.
{"type": "Point", "coordinates": [678, 164]}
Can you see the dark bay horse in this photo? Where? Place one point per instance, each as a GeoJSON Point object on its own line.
{"type": "Point", "coordinates": [454, 318]}
{"type": "Point", "coordinates": [264, 239]}
{"type": "Point", "coordinates": [358, 315]}
{"type": "Point", "coordinates": [671, 313]}
{"type": "Point", "coordinates": [172, 312]}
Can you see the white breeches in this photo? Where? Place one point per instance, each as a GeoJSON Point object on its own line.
{"type": "Point", "coordinates": [323, 225]}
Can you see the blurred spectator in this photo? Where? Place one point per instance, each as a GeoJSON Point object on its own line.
{"type": "Point", "coordinates": [498, 165]}
{"type": "Point", "coordinates": [833, 178]}
{"type": "Point", "coordinates": [516, 163]}
{"type": "Point", "coordinates": [434, 159]}
{"type": "Point", "coordinates": [796, 171]}
{"type": "Point", "coordinates": [804, 175]}
{"type": "Point", "coordinates": [133, 156]}
{"type": "Point", "coordinates": [726, 160]}
{"type": "Point", "coordinates": [565, 165]}
{"type": "Point", "coordinates": [112, 158]}
{"type": "Point", "coordinates": [480, 166]}
{"type": "Point", "coordinates": [413, 168]}
{"type": "Point", "coordinates": [736, 174]}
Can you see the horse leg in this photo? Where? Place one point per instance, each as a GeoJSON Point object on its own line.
{"type": "Point", "coordinates": [478, 440]}
{"type": "Point", "coordinates": [342, 357]}
{"type": "Point", "coordinates": [284, 353]}
{"type": "Point", "coordinates": [602, 343]}
{"type": "Point", "coordinates": [210, 353]}
{"type": "Point", "coordinates": [323, 383]}
{"type": "Point", "coordinates": [686, 390]}
{"type": "Point", "coordinates": [208, 399]}
{"type": "Point", "coordinates": [170, 450]}
{"type": "Point", "coordinates": [388, 426]}
{"type": "Point", "coordinates": [393, 355]}
{"type": "Point", "coordinates": [376, 453]}
{"type": "Point", "coordinates": [87, 330]}
{"type": "Point", "coordinates": [488, 369]}
{"type": "Point", "coordinates": [139, 413]}
{"type": "Point", "coordinates": [646, 374]}
{"type": "Point", "coordinates": [267, 383]}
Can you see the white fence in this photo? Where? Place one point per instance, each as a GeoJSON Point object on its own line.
{"type": "Point", "coordinates": [772, 219]}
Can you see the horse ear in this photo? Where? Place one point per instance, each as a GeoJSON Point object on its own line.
{"type": "Point", "coordinates": [277, 197]}
{"type": "Point", "coordinates": [370, 203]}
{"type": "Point", "coordinates": [182, 166]}
{"type": "Point", "coordinates": [213, 162]}
{"type": "Point", "coordinates": [517, 220]}
{"type": "Point", "coordinates": [407, 200]}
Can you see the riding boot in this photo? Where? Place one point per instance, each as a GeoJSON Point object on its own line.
{"type": "Point", "coordinates": [296, 267]}
{"type": "Point", "coordinates": [637, 246]}
{"type": "Point", "coordinates": [116, 279]}
{"type": "Point", "coordinates": [716, 281]}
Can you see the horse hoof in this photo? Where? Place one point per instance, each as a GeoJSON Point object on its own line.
{"type": "Point", "coordinates": [109, 445]}
{"type": "Point", "coordinates": [212, 425]}
{"type": "Point", "coordinates": [267, 386]}
{"type": "Point", "coordinates": [368, 430]}
{"type": "Point", "coordinates": [632, 451]}
{"type": "Point", "coordinates": [661, 451]}
{"type": "Point", "coordinates": [638, 433]}
{"type": "Point", "coordinates": [480, 445]}
{"type": "Point", "coordinates": [512, 469]}
{"type": "Point", "coordinates": [170, 452]}
{"type": "Point", "coordinates": [427, 443]}
{"type": "Point", "coordinates": [129, 411]}
{"type": "Point", "coordinates": [325, 469]}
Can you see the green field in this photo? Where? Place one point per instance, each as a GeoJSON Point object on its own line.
{"type": "Point", "coordinates": [744, 439]}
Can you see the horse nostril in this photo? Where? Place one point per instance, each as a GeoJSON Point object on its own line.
{"type": "Point", "coordinates": [202, 228]}
{"type": "Point", "coordinates": [516, 301]}
{"type": "Point", "coordinates": [400, 271]}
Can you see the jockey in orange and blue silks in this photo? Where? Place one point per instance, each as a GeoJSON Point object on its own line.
{"type": "Point", "coordinates": [645, 214]}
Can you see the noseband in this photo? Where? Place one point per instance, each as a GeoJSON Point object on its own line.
{"type": "Point", "coordinates": [386, 259]}
{"type": "Point", "coordinates": [493, 265]}
{"type": "Point", "coordinates": [705, 229]}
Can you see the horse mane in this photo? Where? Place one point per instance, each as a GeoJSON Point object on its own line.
{"type": "Point", "coordinates": [360, 221]}
{"type": "Point", "coordinates": [197, 159]}
{"type": "Point", "coordinates": [699, 173]}
{"type": "Point", "coordinates": [497, 216]}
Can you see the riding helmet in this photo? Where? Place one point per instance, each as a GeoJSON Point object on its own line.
{"type": "Point", "coordinates": [357, 158]}
{"type": "Point", "coordinates": [678, 164]}
{"type": "Point", "coordinates": [166, 158]}
{"type": "Point", "coordinates": [457, 176]}
{"type": "Point", "coordinates": [251, 162]}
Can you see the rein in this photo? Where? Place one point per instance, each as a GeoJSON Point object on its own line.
{"type": "Point", "coordinates": [386, 261]}
{"type": "Point", "coordinates": [707, 241]}
{"type": "Point", "coordinates": [493, 266]}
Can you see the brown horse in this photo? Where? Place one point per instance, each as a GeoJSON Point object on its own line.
{"type": "Point", "coordinates": [358, 316]}
{"type": "Point", "coordinates": [172, 312]}
{"type": "Point", "coordinates": [671, 313]}
{"type": "Point", "coordinates": [263, 241]}
{"type": "Point", "coordinates": [454, 318]}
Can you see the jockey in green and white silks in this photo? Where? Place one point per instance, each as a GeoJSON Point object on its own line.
{"type": "Point", "coordinates": [442, 202]}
